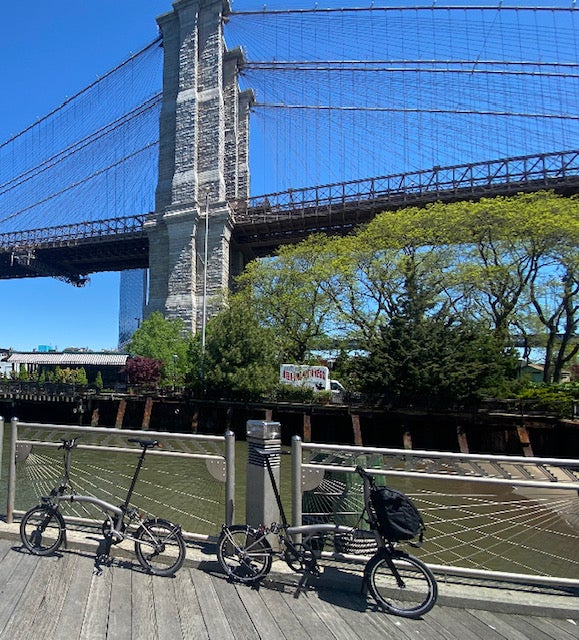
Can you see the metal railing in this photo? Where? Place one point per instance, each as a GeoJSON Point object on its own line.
{"type": "Point", "coordinates": [489, 517]}
{"type": "Point", "coordinates": [176, 482]}
{"type": "Point", "coordinates": [70, 233]}
{"type": "Point", "coordinates": [541, 171]}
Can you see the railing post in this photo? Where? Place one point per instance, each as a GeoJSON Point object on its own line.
{"type": "Point", "coordinates": [260, 503]}
{"type": "Point", "coordinates": [296, 481]}
{"type": "Point", "coordinates": [12, 471]}
{"type": "Point", "coordinates": [1, 443]}
{"type": "Point", "coordinates": [229, 477]}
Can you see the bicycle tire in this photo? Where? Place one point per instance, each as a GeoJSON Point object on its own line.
{"type": "Point", "coordinates": [42, 530]}
{"type": "Point", "coordinates": [244, 554]}
{"type": "Point", "coordinates": [412, 598]}
{"type": "Point", "coordinates": [160, 547]}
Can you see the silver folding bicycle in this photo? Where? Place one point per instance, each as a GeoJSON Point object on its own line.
{"type": "Point", "coordinates": [159, 543]}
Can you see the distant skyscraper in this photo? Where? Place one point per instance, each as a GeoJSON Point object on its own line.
{"type": "Point", "coordinates": [133, 289]}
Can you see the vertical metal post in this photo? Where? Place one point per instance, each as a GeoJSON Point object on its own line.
{"type": "Point", "coordinates": [260, 502]}
{"type": "Point", "coordinates": [1, 443]}
{"type": "Point", "coordinates": [229, 477]}
{"type": "Point", "coordinates": [296, 481]}
{"type": "Point", "coordinates": [205, 258]}
{"type": "Point", "coordinates": [12, 471]}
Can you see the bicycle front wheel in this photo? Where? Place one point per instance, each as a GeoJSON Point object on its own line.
{"type": "Point", "coordinates": [244, 553]}
{"type": "Point", "coordinates": [42, 530]}
{"type": "Point", "coordinates": [401, 584]}
{"type": "Point", "coordinates": [159, 547]}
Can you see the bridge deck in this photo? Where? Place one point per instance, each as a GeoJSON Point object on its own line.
{"type": "Point", "coordinates": [63, 597]}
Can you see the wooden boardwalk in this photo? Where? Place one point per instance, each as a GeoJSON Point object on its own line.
{"type": "Point", "coordinates": [63, 597]}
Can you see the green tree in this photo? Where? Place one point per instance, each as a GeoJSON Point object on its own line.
{"type": "Point", "coordinates": [166, 340]}
{"type": "Point", "coordinates": [241, 357]}
{"type": "Point", "coordinates": [286, 294]}
{"type": "Point", "coordinates": [71, 376]}
{"type": "Point", "coordinates": [23, 373]}
{"type": "Point", "coordinates": [98, 382]}
{"type": "Point", "coordinates": [429, 360]}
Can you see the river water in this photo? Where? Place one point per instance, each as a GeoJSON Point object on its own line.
{"type": "Point", "coordinates": [468, 524]}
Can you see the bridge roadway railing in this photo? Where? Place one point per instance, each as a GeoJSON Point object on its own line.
{"type": "Point", "coordinates": [544, 171]}
{"type": "Point", "coordinates": [503, 518]}
{"type": "Point", "coordinates": [68, 233]}
{"type": "Point", "coordinates": [463, 181]}
{"type": "Point", "coordinates": [189, 480]}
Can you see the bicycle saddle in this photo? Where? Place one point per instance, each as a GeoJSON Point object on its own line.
{"type": "Point", "coordinates": [145, 443]}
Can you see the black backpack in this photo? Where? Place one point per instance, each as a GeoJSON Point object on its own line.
{"type": "Point", "coordinates": [398, 518]}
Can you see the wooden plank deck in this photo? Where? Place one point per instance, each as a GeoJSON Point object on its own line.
{"type": "Point", "coordinates": [63, 597]}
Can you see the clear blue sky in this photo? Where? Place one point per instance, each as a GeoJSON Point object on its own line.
{"type": "Point", "coordinates": [51, 49]}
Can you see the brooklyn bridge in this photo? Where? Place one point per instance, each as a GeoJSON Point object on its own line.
{"type": "Point", "coordinates": [336, 114]}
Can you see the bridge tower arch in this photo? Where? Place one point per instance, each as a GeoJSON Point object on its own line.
{"type": "Point", "coordinates": [203, 163]}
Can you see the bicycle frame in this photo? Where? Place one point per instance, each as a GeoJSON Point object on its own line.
{"type": "Point", "coordinates": [294, 534]}
{"type": "Point", "coordinates": [159, 544]}
{"type": "Point", "coordinates": [117, 526]}
{"type": "Point", "coordinates": [399, 583]}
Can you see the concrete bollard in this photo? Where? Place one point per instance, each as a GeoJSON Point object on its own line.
{"type": "Point", "coordinates": [260, 502]}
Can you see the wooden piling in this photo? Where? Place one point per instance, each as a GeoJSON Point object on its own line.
{"type": "Point", "coordinates": [120, 414]}
{"type": "Point", "coordinates": [357, 430]}
{"type": "Point", "coordinates": [525, 440]}
{"type": "Point", "coordinates": [462, 441]}
{"type": "Point", "coordinates": [147, 414]}
{"type": "Point", "coordinates": [307, 428]}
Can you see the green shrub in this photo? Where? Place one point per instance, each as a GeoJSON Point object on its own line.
{"type": "Point", "coordinates": [550, 398]}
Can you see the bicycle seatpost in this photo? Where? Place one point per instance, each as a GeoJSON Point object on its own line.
{"type": "Point", "coordinates": [145, 445]}
{"type": "Point", "coordinates": [274, 486]}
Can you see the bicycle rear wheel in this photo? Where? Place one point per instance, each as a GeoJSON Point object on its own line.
{"type": "Point", "coordinates": [401, 584]}
{"type": "Point", "coordinates": [159, 547]}
{"type": "Point", "coordinates": [42, 530]}
{"type": "Point", "coordinates": [244, 553]}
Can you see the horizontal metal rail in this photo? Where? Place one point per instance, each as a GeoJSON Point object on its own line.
{"type": "Point", "coordinates": [533, 473]}
{"type": "Point", "coordinates": [227, 442]}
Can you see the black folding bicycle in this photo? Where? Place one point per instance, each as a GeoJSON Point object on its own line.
{"type": "Point", "coordinates": [400, 583]}
{"type": "Point", "coordinates": [159, 544]}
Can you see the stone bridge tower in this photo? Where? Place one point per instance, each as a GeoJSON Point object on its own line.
{"type": "Point", "coordinates": [203, 163]}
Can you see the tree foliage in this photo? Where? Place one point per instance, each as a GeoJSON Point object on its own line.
{"type": "Point", "coordinates": [286, 295]}
{"type": "Point", "coordinates": [67, 375]}
{"type": "Point", "coordinates": [145, 371]}
{"type": "Point", "coordinates": [431, 358]}
{"type": "Point", "coordinates": [240, 358]}
{"type": "Point", "coordinates": [162, 339]}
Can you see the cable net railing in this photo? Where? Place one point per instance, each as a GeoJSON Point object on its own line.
{"type": "Point", "coordinates": [492, 516]}
{"type": "Point", "coordinates": [92, 158]}
{"type": "Point", "coordinates": [184, 481]}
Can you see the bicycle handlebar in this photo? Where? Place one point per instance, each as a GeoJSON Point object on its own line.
{"type": "Point", "coordinates": [365, 475]}
{"type": "Point", "coordinates": [145, 443]}
{"type": "Point", "coordinates": [69, 444]}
